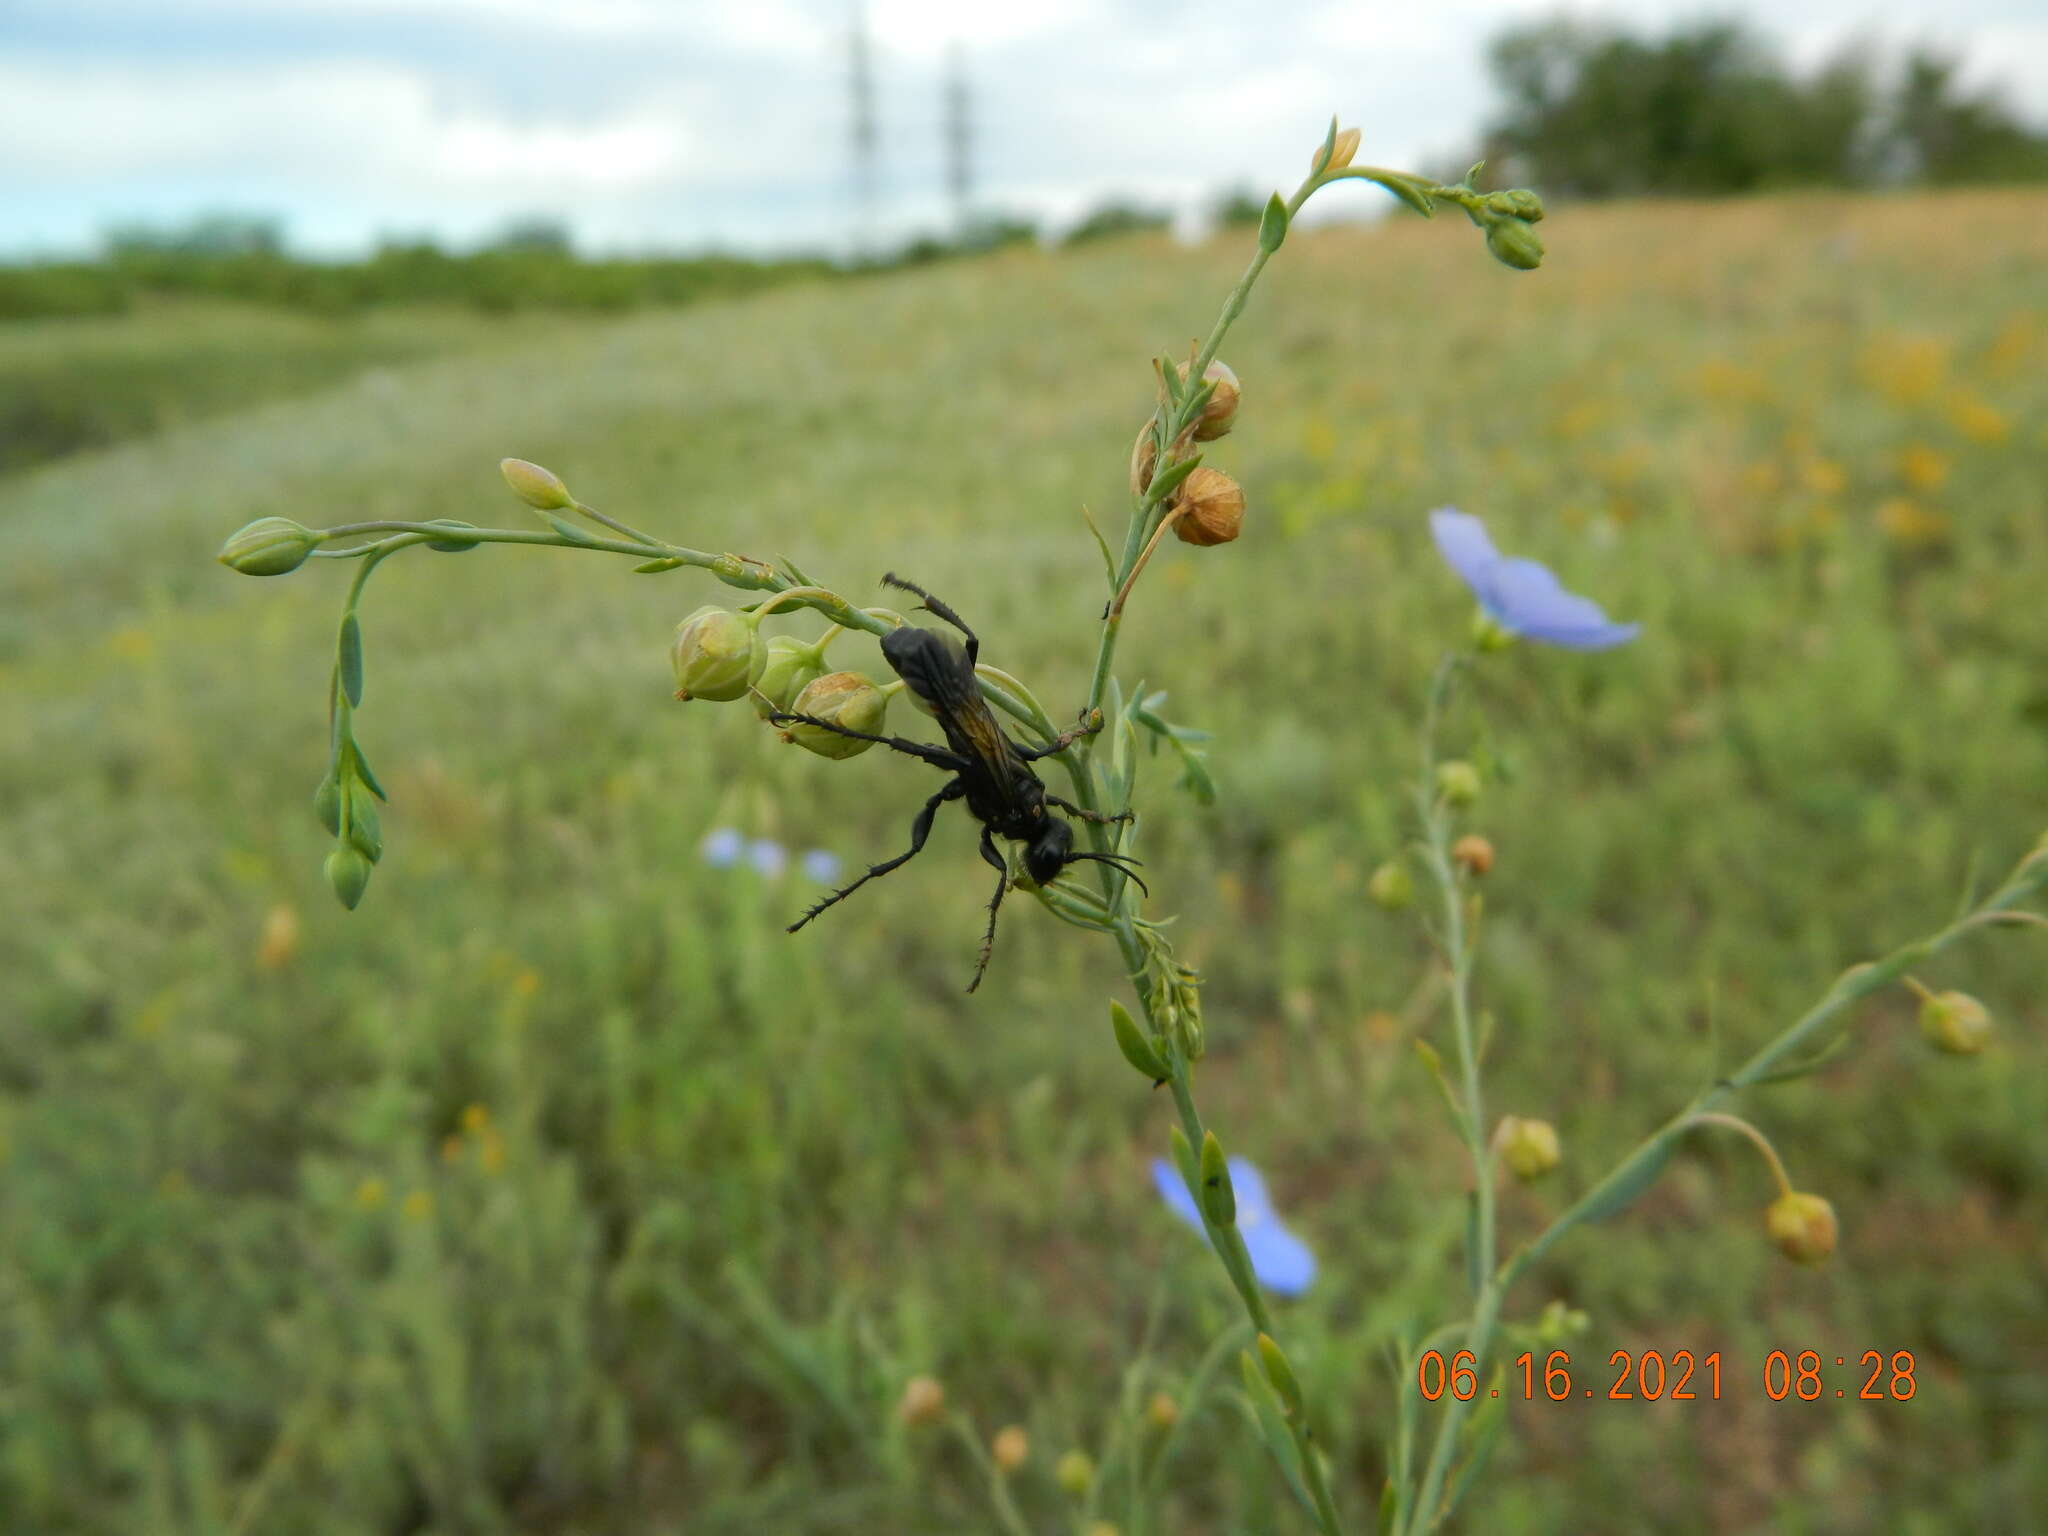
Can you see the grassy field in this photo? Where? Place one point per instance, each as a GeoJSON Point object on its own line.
{"type": "Point", "coordinates": [558, 1190]}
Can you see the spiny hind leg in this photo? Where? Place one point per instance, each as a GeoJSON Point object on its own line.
{"type": "Point", "coordinates": [1095, 816]}
{"type": "Point", "coordinates": [920, 829]}
{"type": "Point", "coordinates": [988, 940]}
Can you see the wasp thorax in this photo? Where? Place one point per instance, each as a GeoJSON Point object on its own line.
{"type": "Point", "coordinates": [844, 699]}
{"type": "Point", "coordinates": [792, 666]}
{"type": "Point", "coordinates": [1220, 414]}
{"type": "Point", "coordinates": [1803, 1227]}
{"type": "Point", "coordinates": [717, 655]}
{"type": "Point", "coordinates": [1210, 508]}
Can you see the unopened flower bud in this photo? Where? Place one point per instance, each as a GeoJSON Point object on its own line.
{"type": "Point", "coordinates": [1457, 783]}
{"type": "Point", "coordinates": [1529, 1147]}
{"type": "Point", "coordinates": [1489, 634]}
{"type": "Point", "coordinates": [1010, 1449]}
{"type": "Point", "coordinates": [1144, 459]}
{"type": "Point", "coordinates": [1560, 1322]}
{"type": "Point", "coordinates": [327, 804]}
{"type": "Point", "coordinates": [717, 655]}
{"type": "Point", "coordinates": [1473, 854]}
{"type": "Point", "coordinates": [923, 1402]}
{"type": "Point", "coordinates": [1516, 203]}
{"type": "Point", "coordinates": [792, 665]}
{"type": "Point", "coordinates": [1212, 508]}
{"type": "Point", "coordinates": [1514, 243]}
{"type": "Point", "coordinates": [1341, 151]}
{"type": "Point", "coordinates": [541, 489]}
{"type": "Point", "coordinates": [1955, 1022]}
{"type": "Point", "coordinates": [270, 546]}
{"type": "Point", "coordinates": [1803, 1227]}
{"type": "Point", "coordinates": [1391, 886]}
{"type": "Point", "coordinates": [1220, 414]}
{"type": "Point", "coordinates": [842, 698]}
{"type": "Point", "coordinates": [1162, 1410]}
{"type": "Point", "coordinates": [348, 872]}
{"type": "Point", "coordinates": [1075, 1473]}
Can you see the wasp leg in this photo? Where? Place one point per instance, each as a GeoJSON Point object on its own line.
{"type": "Point", "coordinates": [920, 829]}
{"type": "Point", "coordinates": [938, 757]}
{"type": "Point", "coordinates": [1095, 816]}
{"type": "Point", "coordinates": [988, 940]}
{"type": "Point", "coordinates": [934, 606]}
{"type": "Point", "coordinates": [1090, 724]}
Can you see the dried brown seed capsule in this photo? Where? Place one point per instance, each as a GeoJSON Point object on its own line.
{"type": "Point", "coordinates": [1211, 508]}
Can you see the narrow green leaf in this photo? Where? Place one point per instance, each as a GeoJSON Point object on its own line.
{"type": "Point", "coordinates": [650, 567]}
{"type": "Point", "coordinates": [1137, 1049]}
{"type": "Point", "coordinates": [1184, 1157]}
{"type": "Point", "coordinates": [1435, 1064]}
{"type": "Point", "coordinates": [1473, 1275]}
{"type": "Point", "coordinates": [1273, 225]}
{"type": "Point", "coordinates": [349, 658]}
{"type": "Point", "coordinates": [1329, 148]}
{"type": "Point", "coordinates": [1619, 1191]}
{"type": "Point", "coordinates": [355, 752]}
{"type": "Point", "coordinates": [1273, 1425]}
{"type": "Point", "coordinates": [1285, 1385]}
{"type": "Point", "coordinates": [567, 529]}
{"type": "Point", "coordinates": [1169, 378]}
{"type": "Point", "coordinates": [1168, 480]}
{"type": "Point", "coordinates": [1410, 192]}
{"type": "Point", "coordinates": [1390, 1508]}
{"type": "Point", "coordinates": [1108, 560]}
{"type": "Point", "coordinates": [1219, 1200]}
{"type": "Point", "coordinates": [796, 575]}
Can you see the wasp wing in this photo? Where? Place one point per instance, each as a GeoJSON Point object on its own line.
{"type": "Point", "coordinates": [936, 670]}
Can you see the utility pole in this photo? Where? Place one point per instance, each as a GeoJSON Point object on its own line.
{"type": "Point", "coordinates": [959, 141]}
{"type": "Point", "coordinates": [864, 139]}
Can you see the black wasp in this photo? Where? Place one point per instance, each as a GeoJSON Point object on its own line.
{"type": "Point", "coordinates": [990, 771]}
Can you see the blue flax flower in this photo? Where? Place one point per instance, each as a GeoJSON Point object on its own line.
{"type": "Point", "coordinates": [1280, 1260]}
{"type": "Point", "coordinates": [722, 847]}
{"type": "Point", "coordinates": [1521, 595]}
{"type": "Point", "coordinates": [821, 866]}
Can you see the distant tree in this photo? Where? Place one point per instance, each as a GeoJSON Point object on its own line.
{"type": "Point", "coordinates": [1596, 111]}
{"type": "Point", "coordinates": [1944, 136]}
{"type": "Point", "coordinates": [1117, 218]}
{"type": "Point", "coordinates": [208, 235]}
{"type": "Point", "coordinates": [1238, 205]}
{"type": "Point", "coordinates": [535, 234]}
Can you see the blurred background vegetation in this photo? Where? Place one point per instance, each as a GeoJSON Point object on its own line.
{"type": "Point", "coordinates": [558, 1190]}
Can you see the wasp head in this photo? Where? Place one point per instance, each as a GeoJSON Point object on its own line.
{"type": "Point", "coordinates": [1052, 850]}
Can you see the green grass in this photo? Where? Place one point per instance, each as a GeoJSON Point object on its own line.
{"type": "Point", "coordinates": [263, 1267]}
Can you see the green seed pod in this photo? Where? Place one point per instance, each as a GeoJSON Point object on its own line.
{"type": "Point", "coordinates": [1803, 1227]}
{"type": "Point", "coordinates": [717, 655]}
{"type": "Point", "coordinates": [348, 872]}
{"type": "Point", "coordinates": [846, 699]}
{"type": "Point", "coordinates": [541, 489]}
{"type": "Point", "coordinates": [792, 665]}
{"type": "Point", "coordinates": [1515, 244]}
{"type": "Point", "coordinates": [1529, 1147]}
{"type": "Point", "coordinates": [270, 546]}
{"type": "Point", "coordinates": [1955, 1022]}
{"type": "Point", "coordinates": [327, 804]}
{"type": "Point", "coordinates": [1457, 783]}
{"type": "Point", "coordinates": [365, 828]}
{"type": "Point", "coordinates": [1138, 1050]}
{"type": "Point", "coordinates": [1391, 886]}
{"type": "Point", "coordinates": [1219, 1199]}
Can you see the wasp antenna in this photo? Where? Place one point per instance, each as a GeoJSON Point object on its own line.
{"type": "Point", "coordinates": [1117, 861]}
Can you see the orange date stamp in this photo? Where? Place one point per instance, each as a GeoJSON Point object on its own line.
{"type": "Point", "coordinates": [1651, 1376]}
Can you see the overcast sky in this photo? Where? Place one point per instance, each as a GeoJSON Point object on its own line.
{"type": "Point", "coordinates": [682, 123]}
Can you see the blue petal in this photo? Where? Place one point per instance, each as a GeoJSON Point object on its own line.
{"type": "Point", "coordinates": [722, 847]}
{"type": "Point", "coordinates": [1281, 1261]}
{"type": "Point", "coordinates": [1527, 598]}
{"type": "Point", "coordinates": [1461, 539]}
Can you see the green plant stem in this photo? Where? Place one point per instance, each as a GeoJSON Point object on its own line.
{"type": "Point", "coordinates": [1850, 988]}
{"type": "Point", "coordinates": [2029, 880]}
{"type": "Point", "coordinates": [1457, 946]}
{"type": "Point", "coordinates": [998, 1484]}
